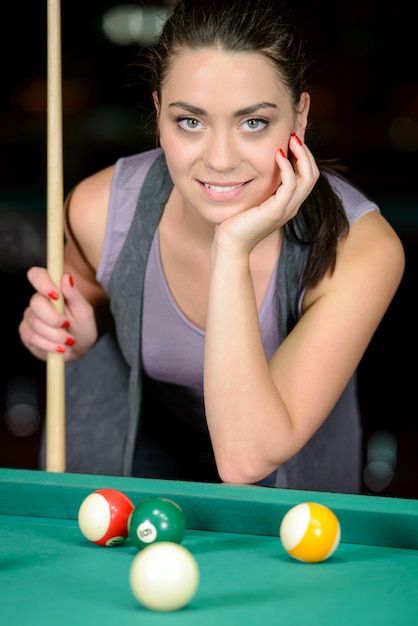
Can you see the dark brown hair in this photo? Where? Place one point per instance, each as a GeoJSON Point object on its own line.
{"type": "Point", "coordinates": [267, 27]}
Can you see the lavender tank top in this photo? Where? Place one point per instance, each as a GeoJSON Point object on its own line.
{"type": "Point", "coordinates": [172, 347]}
{"type": "Point", "coordinates": [160, 343]}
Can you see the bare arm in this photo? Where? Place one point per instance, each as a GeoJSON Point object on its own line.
{"type": "Point", "coordinates": [86, 313]}
{"type": "Point", "coordinates": [260, 414]}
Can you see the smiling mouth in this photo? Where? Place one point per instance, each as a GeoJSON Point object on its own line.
{"type": "Point", "coordinates": [223, 189]}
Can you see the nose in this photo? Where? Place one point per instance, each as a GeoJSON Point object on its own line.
{"type": "Point", "coordinates": [221, 151]}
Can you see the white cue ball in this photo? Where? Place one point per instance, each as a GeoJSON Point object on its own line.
{"type": "Point", "coordinates": [164, 576]}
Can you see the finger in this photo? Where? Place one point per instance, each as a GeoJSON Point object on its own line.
{"type": "Point", "coordinates": [40, 338]}
{"type": "Point", "coordinates": [287, 172]}
{"type": "Point", "coordinates": [41, 320]}
{"type": "Point", "coordinates": [278, 204]}
{"type": "Point", "coordinates": [304, 162]}
{"type": "Point", "coordinates": [296, 181]}
{"type": "Point", "coordinates": [77, 307]}
{"type": "Point", "coordinates": [41, 307]}
{"type": "Point", "coordinates": [41, 281]}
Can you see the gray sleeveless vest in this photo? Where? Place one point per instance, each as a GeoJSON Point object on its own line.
{"type": "Point", "coordinates": [103, 389]}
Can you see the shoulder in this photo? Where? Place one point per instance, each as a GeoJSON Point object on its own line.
{"type": "Point", "coordinates": [370, 233]}
{"type": "Point", "coordinates": [91, 192]}
{"type": "Point", "coordinates": [355, 202]}
{"type": "Point", "coordinates": [371, 240]}
{"type": "Point", "coordinates": [86, 213]}
{"type": "Point", "coordinates": [100, 197]}
{"type": "Point", "coordinates": [369, 266]}
{"type": "Point", "coordinates": [130, 171]}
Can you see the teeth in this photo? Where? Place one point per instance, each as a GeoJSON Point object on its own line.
{"type": "Point", "coordinates": [221, 189]}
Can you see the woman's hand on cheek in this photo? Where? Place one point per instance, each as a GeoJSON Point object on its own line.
{"type": "Point", "coordinates": [299, 174]}
{"type": "Point", "coordinates": [250, 227]}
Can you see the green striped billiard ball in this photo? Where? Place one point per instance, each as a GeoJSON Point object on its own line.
{"type": "Point", "coordinates": [156, 519]}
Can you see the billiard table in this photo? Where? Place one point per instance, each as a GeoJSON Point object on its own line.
{"type": "Point", "coordinates": [50, 575]}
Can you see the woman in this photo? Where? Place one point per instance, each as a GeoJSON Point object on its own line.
{"type": "Point", "coordinates": [244, 281]}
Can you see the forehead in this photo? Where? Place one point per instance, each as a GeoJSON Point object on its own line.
{"type": "Point", "coordinates": [212, 71]}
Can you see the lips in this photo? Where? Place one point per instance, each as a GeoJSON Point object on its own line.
{"type": "Point", "coordinates": [224, 192]}
{"type": "Point", "coordinates": [223, 188]}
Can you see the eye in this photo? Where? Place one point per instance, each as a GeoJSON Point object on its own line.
{"type": "Point", "coordinates": [255, 124]}
{"type": "Point", "coordinates": [189, 123]}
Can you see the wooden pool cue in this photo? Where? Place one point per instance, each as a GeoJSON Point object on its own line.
{"type": "Point", "coordinates": [55, 370]}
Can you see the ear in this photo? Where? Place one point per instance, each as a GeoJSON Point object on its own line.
{"type": "Point", "coordinates": [302, 112]}
{"type": "Point", "coordinates": [156, 102]}
{"type": "Point", "coordinates": [157, 109]}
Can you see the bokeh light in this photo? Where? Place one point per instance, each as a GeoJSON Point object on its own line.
{"type": "Point", "coordinates": [127, 24]}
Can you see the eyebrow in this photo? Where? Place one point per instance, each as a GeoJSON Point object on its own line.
{"type": "Point", "coordinates": [245, 111]}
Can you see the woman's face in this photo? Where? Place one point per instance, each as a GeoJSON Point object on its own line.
{"type": "Point", "coordinates": [222, 117]}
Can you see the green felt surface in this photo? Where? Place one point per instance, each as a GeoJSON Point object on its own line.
{"type": "Point", "coordinates": [50, 574]}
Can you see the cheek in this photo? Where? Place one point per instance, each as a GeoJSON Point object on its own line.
{"type": "Point", "coordinates": [271, 175]}
{"type": "Point", "coordinates": [179, 162]}
{"type": "Point", "coordinates": [181, 159]}
{"type": "Point", "coordinates": [268, 178]}
{"type": "Point", "coordinates": [270, 170]}
{"type": "Point", "coordinates": [174, 147]}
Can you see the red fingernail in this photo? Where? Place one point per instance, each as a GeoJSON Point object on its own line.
{"type": "Point", "coordinates": [282, 153]}
{"type": "Point", "coordinates": [296, 137]}
{"type": "Point", "coordinates": [60, 349]}
{"type": "Point", "coordinates": [70, 278]}
{"type": "Point", "coordinates": [66, 325]}
{"type": "Point", "coordinates": [53, 295]}
{"type": "Point", "coordinates": [70, 341]}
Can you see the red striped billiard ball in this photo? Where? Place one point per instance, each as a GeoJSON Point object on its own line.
{"type": "Point", "coordinates": [103, 517]}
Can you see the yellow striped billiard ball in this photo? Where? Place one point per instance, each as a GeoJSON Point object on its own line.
{"type": "Point", "coordinates": [310, 532]}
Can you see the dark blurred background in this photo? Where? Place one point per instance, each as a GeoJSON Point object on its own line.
{"type": "Point", "coordinates": [364, 112]}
